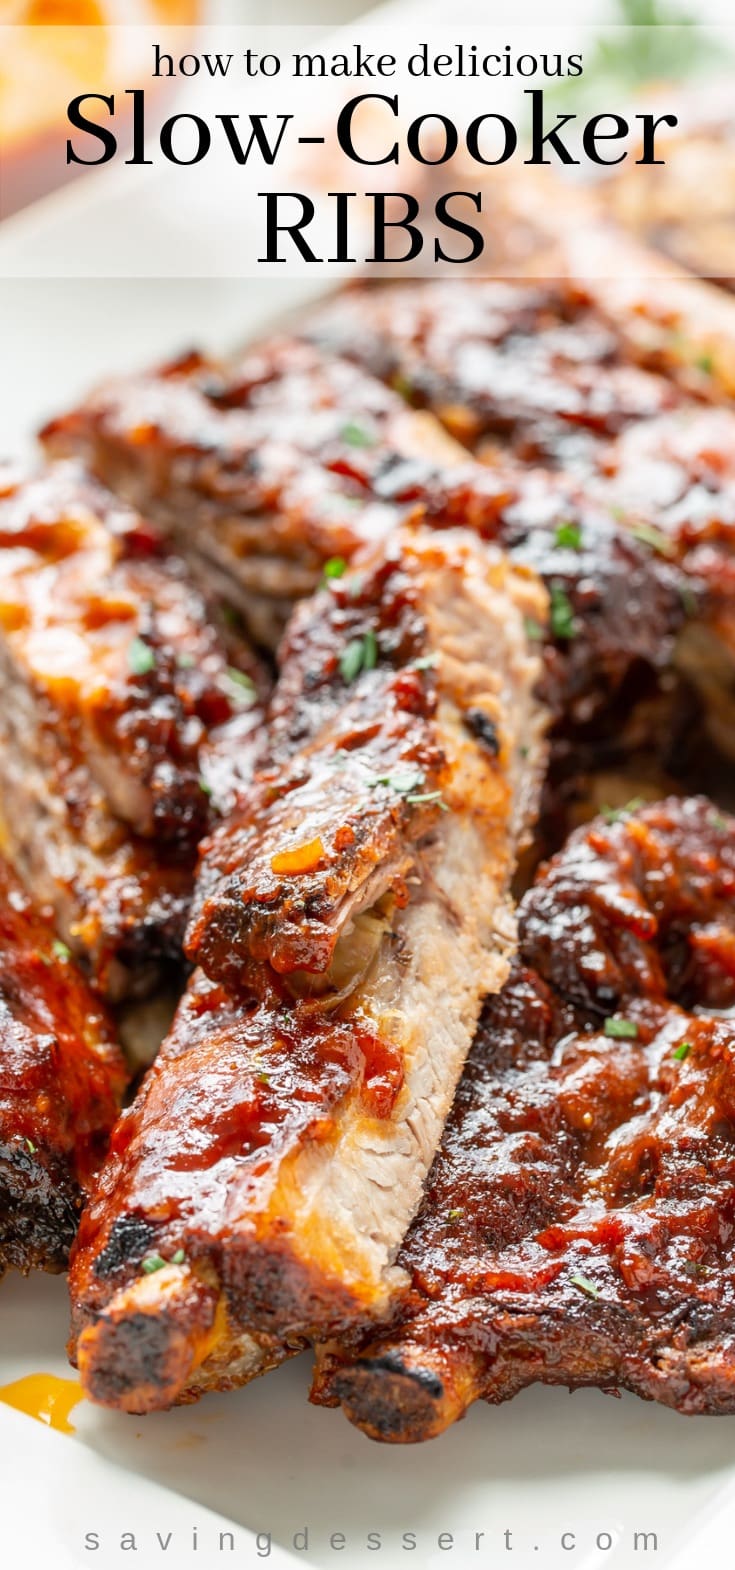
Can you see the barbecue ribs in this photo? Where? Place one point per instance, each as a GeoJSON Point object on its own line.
{"type": "Point", "coordinates": [357, 901]}
{"type": "Point", "coordinates": [577, 1224]}
{"type": "Point", "coordinates": [116, 690]}
{"type": "Point", "coordinates": [61, 1083]}
{"type": "Point", "coordinates": [291, 458]}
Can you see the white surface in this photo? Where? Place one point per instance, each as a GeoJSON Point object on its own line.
{"type": "Point", "coordinates": [546, 1464]}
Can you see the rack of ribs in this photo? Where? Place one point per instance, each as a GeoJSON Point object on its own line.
{"type": "Point", "coordinates": [116, 689]}
{"type": "Point", "coordinates": [350, 917]}
{"type": "Point", "coordinates": [544, 373]}
{"type": "Point", "coordinates": [577, 1224]}
{"type": "Point", "coordinates": [534, 368]}
{"type": "Point", "coordinates": [291, 459]}
{"type": "Point", "coordinates": [257, 469]}
{"type": "Point", "coordinates": [62, 1079]}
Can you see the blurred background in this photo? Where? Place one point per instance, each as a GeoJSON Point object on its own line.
{"type": "Point", "coordinates": [53, 49]}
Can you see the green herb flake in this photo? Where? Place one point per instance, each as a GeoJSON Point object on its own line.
{"type": "Point", "coordinates": [239, 687]}
{"type": "Point", "coordinates": [141, 657]}
{"type": "Point", "coordinates": [185, 662]}
{"type": "Point", "coordinates": [705, 363]}
{"type": "Point", "coordinates": [717, 821]}
{"type": "Point", "coordinates": [403, 781]}
{"type": "Point", "coordinates": [648, 534]}
{"type": "Point", "coordinates": [152, 1263]}
{"type": "Point", "coordinates": [360, 654]}
{"type": "Point", "coordinates": [335, 567]}
{"type": "Point", "coordinates": [371, 651]}
{"type": "Point", "coordinates": [428, 662]}
{"type": "Point", "coordinates": [585, 1285]}
{"type": "Point", "coordinates": [616, 814]}
{"type": "Point", "coordinates": [568, 536]}
{"type": "Point", "coordinates": [204, 786]}
{"type": "Point", "coordinates": [426, 797]}
{"type": "Point", "coordinates": [693, 1268]}
{"type": "Point", "coordinates": [683, 1051]}
{"type": "Point", "coordinates": [356, 435]}
{"type": "Point", "coordinates": [621, 1029]}
{"type": "Point", "coordinates": [61, 950]}
{"type": "Point", "coordinates": [179, 1257]}
{"type": "Point", "coordinates": [533, 628]}
{"type": "Point", "coordinates": [454, 1215]}
{"type": "Point", "coordinates": [563, 624]}
{"type": "Point", "coordinates": [263, 1078]}
{"type": "Point", "coordinates": [30, 1147]}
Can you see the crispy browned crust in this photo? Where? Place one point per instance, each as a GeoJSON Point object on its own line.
{"type": "Point", "coordinates": [292, 456]}
{"type": "Point", "coordinates": [576, 1224]}
{"type": "Point", "coordinates": [531, 367]}
{"type": "Point", "coordinates": [277, 1148]}
{"type": "Point", "coordinates": [549, 374]}
{"type": "Point", "coordinates": [351, 783]}
{"type": "Point", "coordinates": [117, 694]}
{"type": "Point", "coordinates": [62, 1078]}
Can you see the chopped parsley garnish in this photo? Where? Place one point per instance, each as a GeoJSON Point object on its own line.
{"type": "Point", "coordinates": [563, 624]}
{"type": "Point", "coordinates": [615, 814]}
{"type": "Point", "coordinates": [683, 1051]}
{"type": "Point", "coordinates": [621, 1029]}
{"type": "Point", "coordinates": [61, 950]}
{"type": "Point", "coordinates": [335, 567]}
{"type": "Point", "coordinates": [568, 536]}
{"type": "Point", "coordinates": [585, 1285]}
{"type": "Point", "coordinates": [205, 787]}
{"type": "Point", "coordinates": [705, 362]}
{"type": "Point", "coordinates": [694, 1268]}
{"type": "Point", "coordinates": [141, 657]}
{"type": "Point", "coordinates": [717, 821]}
{"type": "Point", "coordinates": [360, 654]}
{"type": "Point", "coordinates": [534, 630]}
{"type": "Point", "coordinates": [240, 689]}
{"type": "Point", "coordinates": [30, 1147]}
{"type": "Point", "coordinates": [185, 662]}
{"type": "Point", "coordinates": [426, 797]}
{"type": "Point", "coordinates": [356, 435]}
{"type": "Point", "coordinates": [454, 1215]}
{"type": "Point", "coordinates": [402, 781]}
{"type": "Point", "coordinates": [152, 1263]}
{"type": "Point", "coordinates": [648, 534]}
{"type": "Point", "coordinates": [263, 1078]}
{"type": "Point", "coordinates": [427, 662]}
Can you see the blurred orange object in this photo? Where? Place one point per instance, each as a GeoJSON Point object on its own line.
{"type": "Point", "coordinates": [53, 50]}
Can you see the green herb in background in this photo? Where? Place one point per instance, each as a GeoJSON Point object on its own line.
{"type": "Point", "coordinates": [634, 53]}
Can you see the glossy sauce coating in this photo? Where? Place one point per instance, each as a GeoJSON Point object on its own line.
{"type": "Point", "coordinates": [117, 687]}
{"type": "Point", "coordinates": [266, 1172]}
{"type": "Point", "coordinates": [577, 1223]}
{"type": "Point", "coordinates": [62, 1078]}
{"type": "Point", "coordinates": [292, 457]}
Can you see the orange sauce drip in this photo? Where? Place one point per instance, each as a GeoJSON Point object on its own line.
{"type": "Point", "coordinates": [46, 1397]}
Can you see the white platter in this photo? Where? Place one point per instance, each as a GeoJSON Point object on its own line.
{"type": "Point", "coordinates": [261, 1460]}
